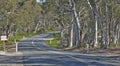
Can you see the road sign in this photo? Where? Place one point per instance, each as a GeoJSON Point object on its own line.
{"type": "Point", "coordinates": [4, 38]}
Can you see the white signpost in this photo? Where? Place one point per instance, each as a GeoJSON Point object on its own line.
{"type": "Point", "coordinates": [3, 38]}
{"type": "Point", "coordinates": [16, 45]}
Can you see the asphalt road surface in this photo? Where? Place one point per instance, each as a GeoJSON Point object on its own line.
{"type": "Point", "coordinates": [35, 52]}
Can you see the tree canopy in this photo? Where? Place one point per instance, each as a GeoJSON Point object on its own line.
{"type": "Point", "coordinates": [82, 22]}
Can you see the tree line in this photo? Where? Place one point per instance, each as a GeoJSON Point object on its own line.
{"type": "Point", "coordinates": [82, 22]}
{"type": "Point", "coordinates": [85, 22]}
{"type": "Point", "coordinates": [19, 16]}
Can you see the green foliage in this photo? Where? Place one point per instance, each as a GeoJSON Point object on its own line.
{"type": "Point", "coordinates": [115, 46]}
{"type": "Point", "coordinates": [116, 10]}
{"type": "Point", "coordinates": [17, 38]}
{"type": "Point", "coordinates": [56, 42]}
{"type": "Point", "coordinates": [54, 15]}
{"type": "Point", "coordinates": [22, 13]}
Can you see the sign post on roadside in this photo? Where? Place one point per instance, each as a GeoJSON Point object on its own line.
{"type": "Point", "coordinates": [16, 45]}
{"type": "Point", "coordinates": [3, 38]}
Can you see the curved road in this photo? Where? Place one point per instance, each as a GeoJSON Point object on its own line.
{"type": "Point", "coordinates": [34, 52]}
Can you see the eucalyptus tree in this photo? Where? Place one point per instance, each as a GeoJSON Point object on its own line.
{"type": "Point", "coordinates": [7, 9]}
{"type": "Point", "coordinates": [77, 24]}
{"type": "Point", "coordinates": [58, 18]}
{"type": "Point", "coordinates": [84, 21]}
{"type": "Point", "coordinates": [115, 23]}
{"type": "Point", "coordinates": [107, 36]}
{"type": "Point", "coordinates": [28, 13]}
{"type": "Point", "coordinates": [94, 22]}
{"type": "Point", "coordinates": [106, 20]}
{"type": "Point", "coordinates": [20, 13]}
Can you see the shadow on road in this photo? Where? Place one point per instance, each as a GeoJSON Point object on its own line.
{"type": "Point", "coordinates": [37, 53]}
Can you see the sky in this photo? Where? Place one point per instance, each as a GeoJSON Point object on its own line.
{"type": "Point", "coordinates": [41, 1]}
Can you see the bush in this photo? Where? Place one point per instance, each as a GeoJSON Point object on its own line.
{"type": "Point", "coordinates": [56, 42]}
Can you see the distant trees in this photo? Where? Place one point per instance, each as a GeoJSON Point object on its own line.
{"type": "Point", "coordinates": [20, 15]}
{"type": "Point", "coordinates": [92, 22]}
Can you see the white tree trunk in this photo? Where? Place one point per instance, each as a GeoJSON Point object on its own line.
{"type": "Point", "coordinates": [96, 22]}
{"type": "Point", "coordinates": [77, 41]}
{"type": "Point", "coordinates": [71, 37]}
{"type": "Point", "coordinates": [107, 25]}
{"type": "Point", "coordinates": [96, 32]}
{"type": "Point", "coordinates": [36, 28]}
{"type": "Point", "coordinates": [71, 31]}
{"type": "Point", "coordinates": [96, 27]}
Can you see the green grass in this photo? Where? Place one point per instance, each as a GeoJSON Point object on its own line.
{"type": "Point", "coordinates": [115, 46]}
{"type": "Point", "coordinates": [54, 43]}
{"type": "Point", "coordinates": [16, 38]}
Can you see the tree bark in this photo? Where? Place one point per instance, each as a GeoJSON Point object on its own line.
{"type": "Point", "coordinates": [71, 31]}
{"type": "Point", "coordinates": [107, 36]}
{"type": "Point", "coordinates": [95, 15]}
{"type": "Point", "coordinates": [77, 41]}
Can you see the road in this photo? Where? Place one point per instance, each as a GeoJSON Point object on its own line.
{"type": "Point", "coordinates": [37, 53]}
